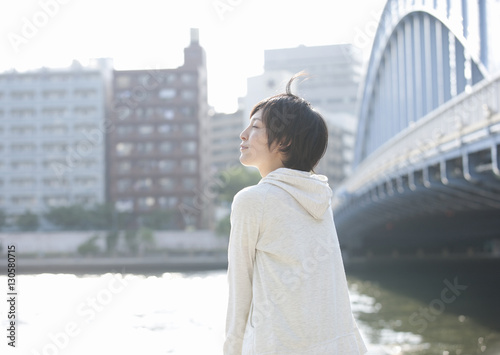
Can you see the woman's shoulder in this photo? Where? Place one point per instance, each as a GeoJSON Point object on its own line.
{"type": "Point", "coordinates": [255, 194]}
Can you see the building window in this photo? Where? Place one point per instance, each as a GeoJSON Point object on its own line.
{"type": "Point", "coordinates": [26, 201]}
{"type": "Point", "coordinates": [55, 182]}
{"type": "Point", "coordinates": [167, 202]}
{"type": "Point", "coordinates": [22, 182]}
{"type": "Point", "coordinates": [22, 95]}
{"type": "Point", "coordinates": [144, 147]}
{"type": "Point", "coordinates": [167, 93]}
{"type": "Point", "coordinates": [124, 166]}
{"type": "Point", "coordinates": [85, 181]}
{"type": "Point", "coordinates": [187, 78]}
{"type": "Point", "coordinates": [169, 113]}
{"type": "Point", "coordinates": [188, 95]}
{"type": "Point", "coordinates": [23, 165]}
{"type": "Point", "coordinates": [126, 204]}
{"type": "Point", "coordinates": [123, 149]}
{"type": "Point", "coordinates": [54, 94]}
{"type": "Point", "coordinates": [124, 130]}
{"type": "Point", "coordinates": [85, 199]}
{"type": "Point", "coordinates": [55, 201]}
{"type": "Point", "coordinates": [189, 183]}
{"type": "Point", "coordinates": [22, 113]}
{"type": "Point", "coordinates": [84, 111]}
{"type": "Point", "coordinates": [123, 112]}
{"type": "Point", "coordinates": [145, 165]}
{"type": "Point", "coordinates": [166, 147]}
{"type": "Point", "coordinates": [146, 129]}
{"type": "Point", "coordinates": [88, 163]}
{"type": "Point", "coordinates": [144, 203]}
{"type": "Point", "coordinates": [123, 81]}
{"type": "Point", "coordinates": [54, 112]}
{"type": "Point", "coordinates": [164, 128]}
{"type": "Point", "coordinates": [167, 184]}
{"type": "Point", "coordinates": [187, 111]}
{"type": "Point", "coordinates": [85, 93]}
{"type": "Point", "coordinates": [22, 148]}
{"type": "Point", "coordinates": [143, 184]}
{"type": "Point", "coordinates": [123, 185]}
{"type": "Point", "coordinates": [55, 129]}
{"type": "Point", "coordinates": [189, 165]}
{"type": "Point", "coordinates": [170, 78]}
{"type": "Point", "coordinates": [54, 147]}
{"type": "Point", "coordinates": [189, 129]}
{"type": "Point", "coordinates": [166, 165]}
{"type": "Point", "coordinates": [189, 147]}
{"type": "Point", "coordinates": [22, 130]}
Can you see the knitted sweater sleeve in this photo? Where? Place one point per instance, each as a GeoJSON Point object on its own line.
{"type": "Point", "coordinates": [246, 212]}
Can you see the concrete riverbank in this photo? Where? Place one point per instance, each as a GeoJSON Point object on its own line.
{"type": "Point", "coordinates": [100, 265]}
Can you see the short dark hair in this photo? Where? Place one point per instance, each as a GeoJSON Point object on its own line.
{"type": "Point", "coordinates": [292, 122]}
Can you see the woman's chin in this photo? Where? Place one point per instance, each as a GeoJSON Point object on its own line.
{"type": "Point", "coordinates": [245, 161]}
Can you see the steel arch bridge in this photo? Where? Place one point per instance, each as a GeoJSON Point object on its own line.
{"type": "Point", "coordinates": [427, 173]}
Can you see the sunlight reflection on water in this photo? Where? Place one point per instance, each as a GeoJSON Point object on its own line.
{"type": "Point", "coordinates": [173, 313]}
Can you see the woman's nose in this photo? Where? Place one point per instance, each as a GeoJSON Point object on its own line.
{"type": "Point", "coordinates": [243, 135]}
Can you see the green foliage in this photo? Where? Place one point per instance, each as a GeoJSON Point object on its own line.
{"type": "Point", "coordinates": [232, 180]}
{"type": "Point", "coordinates": [89, 247]}
{"type": "Point", "coordinates": [132, 241]}
{"type": "Point", "coordinates": [159, 219]}
{"type": "Point", "coordinates": [68, 217]}
{"type": "Point", "coordinates": [111, 241]}
{"type": "Point", "coordinates": [3, 219]}
{"type": "Point", "coordinates": [28, 221]}
{"type": "Point", "coordinates": [105, 217]}
{"type": "Point", "coordinates": [102, 217]}
{"type": "Point", "coordinates": [146, 238]}
{"type": "Point", "coordinates": [223, 227]}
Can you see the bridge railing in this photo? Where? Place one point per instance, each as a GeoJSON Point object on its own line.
{"type": "Point", "coordinates": [468, 117]}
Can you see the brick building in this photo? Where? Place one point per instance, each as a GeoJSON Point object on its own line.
{"type": "Point", "coordinates": [157, 147]}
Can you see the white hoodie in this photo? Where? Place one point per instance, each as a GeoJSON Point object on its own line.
{"type": "Point", "coordinates": [287, 288]}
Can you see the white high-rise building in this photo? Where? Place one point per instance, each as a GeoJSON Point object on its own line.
{"type": "Point", "coordinates": [333, 77]}
{"type": "Point", "coordinates": [52, 129]}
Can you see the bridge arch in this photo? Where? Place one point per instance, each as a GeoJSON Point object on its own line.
{"type": "Point", "coordinates": [427, 158]}
{"type": "Point", "coordinates": [424, 54]}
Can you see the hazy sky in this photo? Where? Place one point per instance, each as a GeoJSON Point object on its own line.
{"type": "Point", "coordinates": [153, 33]}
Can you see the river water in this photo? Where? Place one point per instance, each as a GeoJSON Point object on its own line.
{"type": "Point", "coordinates": [399, 311]}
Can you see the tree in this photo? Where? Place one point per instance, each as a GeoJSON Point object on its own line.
{"type": "Point", "coordinates": [27, 221]}
{"type": "Point", "coordinates": [68, 217]}
{"type": "Point", "coordinates": [132, 240]}
{"type": "Point", "coordinates": [3, 219]}
{"type": "Point", "coordinates": [102, 216]}
{"type": "Point", "coordinates": [146, 239]}
{"type": "Point", "coordinates": [89, 247]}
{"type": "Point", "coordinates": [234, 179]}
{"type": "Point", "coordinates": [158, 219]}
{"type": "Point", "coordinates": [223, 227]}
{"type": "Point", "coordinates": [112, 241]}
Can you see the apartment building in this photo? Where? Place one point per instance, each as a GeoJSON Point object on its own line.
{"type": "Point", "coordinates": [52, 125]}
{"type": "Point", "coordinates": [334, 76]}
{"type": "Point", "coordinates": [158, 149]}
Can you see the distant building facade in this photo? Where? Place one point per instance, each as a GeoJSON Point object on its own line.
{"type": "Point", "coordinates": [334, 75]}
{"type": "Point", "coordinates": [225, 130]}
{"type": "Point", "coordinates": [52, 127]}
{"type": "Point", "coordinates": [158, 149]}
{"type": "Point", "coordinates": [262, 86]}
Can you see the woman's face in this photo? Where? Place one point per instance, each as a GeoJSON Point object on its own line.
{"type": "Point", "coordinates": [254, 149]}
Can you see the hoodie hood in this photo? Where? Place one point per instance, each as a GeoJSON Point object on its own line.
{"type": "Point", "coordinates": [311, 191]}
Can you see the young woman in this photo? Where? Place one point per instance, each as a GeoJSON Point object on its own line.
{"type": "Point", "coordinates": [288, 292]}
